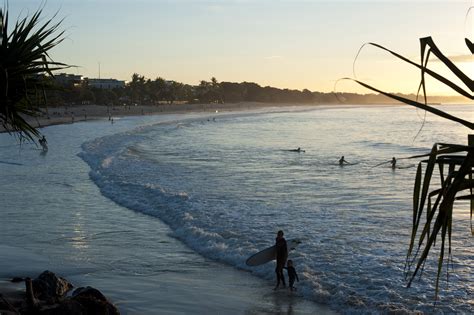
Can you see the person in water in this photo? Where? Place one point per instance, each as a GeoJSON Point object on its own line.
{"type": "Point", "coordinates": [297, 150]}
{"type": "Point", "coordinates": [281, 257]}
{"type": "Point", "coordinates": [342, 161]}
{"type": "Point", "coordinates": [393, 162]}
{"type": "Point", "coordinates": [292, 275]}
{"type": "Point", "coordinates": [43, 143]}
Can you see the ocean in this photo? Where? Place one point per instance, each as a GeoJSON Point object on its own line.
{"type": "Point", "coordinates": [225, 183]}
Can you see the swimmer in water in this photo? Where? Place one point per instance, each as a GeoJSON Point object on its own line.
{"type": "Point", "coordinates": [297, 150]}
{"type": "Point", "coordinates": [342, 161]}
{"type": "Point", "coordinates": [393, 162]}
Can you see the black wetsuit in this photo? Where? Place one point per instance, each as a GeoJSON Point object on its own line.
{"type": "Point", "coordinates": [281, 256]}
{"type": "Point", "coordinates": [292, 276]}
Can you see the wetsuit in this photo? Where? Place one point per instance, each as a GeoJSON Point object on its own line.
{"type": "Point", "coordinates": [281, 256]}
{"type": "Point", "coordinates": [292, 276]}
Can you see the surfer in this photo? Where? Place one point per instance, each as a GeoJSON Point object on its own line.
{"type": "Point", "coordinates": [281, 256]}
{"type": "Point", "coordinates": [292, 275]}
{"type": "Point", "coordinates": [43, 143]}
{"type": "Point", "coordinates": [342, 161]}
{"type": "Point", "coordinates": [297, 150]}
{"type": "Point", "coordinates": [393, 162]}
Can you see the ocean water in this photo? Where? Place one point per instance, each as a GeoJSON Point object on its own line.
{"type": "Point", "coordinates": [225, 183]}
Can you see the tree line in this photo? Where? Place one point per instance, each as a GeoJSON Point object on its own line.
{"type": "Point", "coordinates": [144, 91]}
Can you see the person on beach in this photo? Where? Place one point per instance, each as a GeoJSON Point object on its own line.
{"type": "Point", "coordinates": [292, 275]}
{"type": "Point", "coordinates": [281, 257]}
{"type": "Point", "coordinates": [393, 163]}
{"type": "Point", "coordinates": [342, 161]}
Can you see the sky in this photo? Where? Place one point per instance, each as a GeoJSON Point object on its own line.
{"type": "Point", "coordinates": [294, 44]}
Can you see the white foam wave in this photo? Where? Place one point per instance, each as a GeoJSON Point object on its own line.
{"type": "Point", "coordinates": [106, 162]}
{"type": "Point", "coordinates": [349, 257]}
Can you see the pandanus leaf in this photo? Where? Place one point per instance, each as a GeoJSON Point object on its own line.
{"type": "Point", "coordinates": [24, 64]}
{"type": "Point", "coordinates": [416, 201]}
{"type": "Point", "coordinates": [426, 183]}
{"type": "Point", "coordinates": [455, 180]}
{"type": "Point", "coordinates": [469, 45]}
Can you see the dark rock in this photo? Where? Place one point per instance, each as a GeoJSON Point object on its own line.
{"type": "Point", "coordinates": [92, 305]}
{"type": "Point", "coordinates": [94, 302]}
{"type": "Point", "coordinates": [67, 306]}
{"type": "Point", "coordinates": [17, 279]}
{"type": "Point", "coordinates": [48, 286]}
{"type": "Point", "coordinates": [89, 292]}
{"type": "Point", "coordinates": [46, 295]}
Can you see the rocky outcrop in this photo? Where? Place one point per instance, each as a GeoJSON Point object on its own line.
{"type": "Point", "coordinates": [50, 287]}
{"type": "Point", "coordinates": [94, 302]}
{"type": "Point", "coordinates": [46, 295]}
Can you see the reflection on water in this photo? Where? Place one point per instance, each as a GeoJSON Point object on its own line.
{"type": "Point", "coordinates": [79, 241]}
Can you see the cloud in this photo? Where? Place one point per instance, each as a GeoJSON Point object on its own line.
{"type": "Point", "coordinates": [276, 57]}
{"type": "Point", "coordinates": [458, 58]}
{"type": "Point", "coordinates": [462, 58]}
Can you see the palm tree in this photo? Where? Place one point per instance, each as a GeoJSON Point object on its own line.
{"type": "Point", "coordinates": [25, 67]}
{"type": "Point", "coordinates": [455, 163]}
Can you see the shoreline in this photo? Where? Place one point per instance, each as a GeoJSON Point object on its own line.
{"type": "Point", "coordinates": [80, 113]}
{"type": "Point", "coordinates": [165, 276]}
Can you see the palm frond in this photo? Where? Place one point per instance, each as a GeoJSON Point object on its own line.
{"type": "Point", "coordinates": [458, 159]}
{"type": "Point", "coordinates": [24, 66]}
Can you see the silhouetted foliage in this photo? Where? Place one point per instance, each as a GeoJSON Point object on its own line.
{"type": "Point", "coordinates": [455, 164]}
{"type": "Point", "coordinates": [141, 90]}
{"type": "Point", "coordinates": [24, 68]}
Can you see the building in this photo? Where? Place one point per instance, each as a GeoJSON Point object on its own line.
{"type": "Point", "coordinates": [69, 80]}
{"type": "Point", "coordinates": [106, 84]}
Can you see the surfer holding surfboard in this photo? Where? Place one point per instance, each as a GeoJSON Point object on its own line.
{"type": "Point", "coordinates": [281, 257]}
{"type": "Point", "coordinates": [278, 252]}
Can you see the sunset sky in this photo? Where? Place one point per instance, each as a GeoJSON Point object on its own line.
{"type": "Point", "coordinates": [283, 43]}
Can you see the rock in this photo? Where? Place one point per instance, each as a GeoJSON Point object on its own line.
{"type": "Point", "coordinates": [89, 292]}
{"type": "Point", "coordinates": [17, 279]}
{"type": "Point", "coordinates": [6, 307]}
{"type": "Point", "coordinates": [46, 295]}
{"type": "Point", "coordinates": [94, 302]}
{"type": "Point", "coordinates": [67, 306]}
{"type": "Point", "coordinates": [94, 306]}
{"type": "Point", "coordinates": [48, 286]}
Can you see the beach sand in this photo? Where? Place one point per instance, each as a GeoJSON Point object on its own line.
{"type": "Point", "coordinates": [76, 113]}
{"type": "Point", "coordinates": [192, 285]}
{"type": "Point", "coordinates": [134, 260]}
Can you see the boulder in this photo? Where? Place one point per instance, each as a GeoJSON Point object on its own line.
{"type": "Point", "coordinates": [66, 306]}
{"type": "Point", "coordinates": [17, 279]}
{"type": "Point", "coordinates": [49, 287]}
{"type": "Point", "coordinates": [89, 292]}
{"type": "Point", "coordinates": [94, 302]}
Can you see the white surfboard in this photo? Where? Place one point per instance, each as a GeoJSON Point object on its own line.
{"type": "Point", "coordinates": [269, 254]}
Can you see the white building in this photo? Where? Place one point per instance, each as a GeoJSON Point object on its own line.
{"type": "Point", "coordinates": [106, 84]}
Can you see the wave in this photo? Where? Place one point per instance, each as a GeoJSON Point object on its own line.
{"type": "Point", "coordinates": [349, 255]}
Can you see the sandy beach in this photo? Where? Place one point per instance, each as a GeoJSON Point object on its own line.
{"type": "Point", "coordinates": [76, 113]}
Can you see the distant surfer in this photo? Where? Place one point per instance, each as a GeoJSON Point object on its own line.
{"type": "Point", "coordinates": [297, 150]}
{"type": "Point", "coordinates": [43, 143]}
{"type": "Point", "coordinates": [292, 275]}
{"type": "Point", "coordinates": [342, 161]}
{"type": "Point", "coordinates": [393, 162]}
{"type": "Point", "coordinates": [281, 257]}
